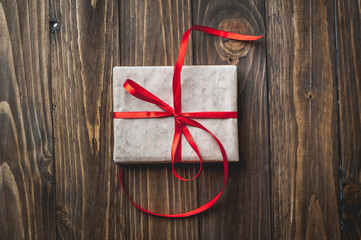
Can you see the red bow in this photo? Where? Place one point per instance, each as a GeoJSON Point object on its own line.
{"type": "Point", "coordinates": [181, 119]}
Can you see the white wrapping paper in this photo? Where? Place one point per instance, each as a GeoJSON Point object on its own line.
{"type": "Point", "coordinates": [204, 88]}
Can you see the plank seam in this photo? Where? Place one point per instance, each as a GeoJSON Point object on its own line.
{"type": "Point", "coordinates": [338, 122]}
{"type": "Point", "coordinates": [52, 20]}
{"type": "Point", "coordinates": [268, 120]}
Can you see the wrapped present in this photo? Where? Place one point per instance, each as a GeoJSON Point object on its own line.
{"type": "Point", "coordinates": [151, 130]}
{"type": "Point", "coordinates": [204, 89]}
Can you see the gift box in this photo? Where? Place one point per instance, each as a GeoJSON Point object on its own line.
{"type": "Point", "coordinates": [149, 140]}
{"type": "Point", "coordinates": [144, 135]}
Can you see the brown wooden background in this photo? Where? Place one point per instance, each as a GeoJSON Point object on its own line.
{"type": "Point", "coordinates": [299, 107]}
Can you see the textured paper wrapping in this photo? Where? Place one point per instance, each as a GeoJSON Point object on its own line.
{"type": "Point", "coordinates": [204, 88]}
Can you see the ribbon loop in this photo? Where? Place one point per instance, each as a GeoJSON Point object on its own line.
{"type": "Point", "coordinates": [182, 119]}
{"type": "Point", "coordinates": [141, 93]}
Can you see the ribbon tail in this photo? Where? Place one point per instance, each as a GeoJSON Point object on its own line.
{"type": "Point", "coordinates": [198, 125]}
{"type": "Point", "coordinates": [176, 144]}
{"type": "Point", "coordinates": [190, 140]}
{"type": "Point", "coordinates": [208, 204]}
{"type": "Point", "coordinates": [182, 52]}
{"type": "Point", "coordinates": [180, 215]}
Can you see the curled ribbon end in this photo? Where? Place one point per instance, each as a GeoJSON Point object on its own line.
{"type": "Point", "coordinates": [127, 82]}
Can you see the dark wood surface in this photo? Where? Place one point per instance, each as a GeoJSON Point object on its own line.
{"type": "Point", "coordinates": [299, 120]}
{"type": "Point", "coordinates": [88, 200]}
{"type": "Point", "coordinates": [349, 83]}
{"type": "Point", "coordinates": [303, 115]}
{"type": "Point", "coordinates": [27, 187]}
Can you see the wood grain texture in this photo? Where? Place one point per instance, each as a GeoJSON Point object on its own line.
{"type": "Point", "coordinates": [243, 210]}
{"type": "Point", "coordinates": [303, 120]}
{"type": "Point", "coordinates": [84, 49]}
{"type": "Point", "coordinates": [349, 76]}
{"type": "Point", "coordinates": [26, 150]}
{"type": "Point", "coordinates": [151, 32]}
{"type": "Point", "coordinates": [11, 220]}
{"type": "Point", "coordinates": [57, 178]}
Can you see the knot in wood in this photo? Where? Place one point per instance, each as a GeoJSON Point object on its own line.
{"type": "Point", "coordinates": [54, 25]}
{"type": "Point", "coordinates": [352, 194]}
{"type": "Point", "coordinates": [309, 95]}
{"type": "Point", "coordinates": [231, 50]}
{"type": "Point", "coordinates": [63, 222]}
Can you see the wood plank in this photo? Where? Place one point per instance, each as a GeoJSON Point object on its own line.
{"type": "Point", "coordinates": [243, 212]}
{"type": "Point", "coordinates": [150, 36]}
{"type": "Point", "coordinates": [303, 120]}
{"type": "Point", "coordinates": [26, 146]}
{"type": "Point", "coordinates": [11, 220]}
{"type": "Point", "coordinates": [84, 49]}
{"type": "Point", "coordinates": [349, 78]}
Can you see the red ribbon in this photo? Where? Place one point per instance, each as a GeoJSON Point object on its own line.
{"type": "Point", "coordinates": [181, 119]}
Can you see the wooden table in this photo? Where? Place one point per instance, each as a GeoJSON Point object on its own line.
{"type": "Point", "coordinates": [299, 120]}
